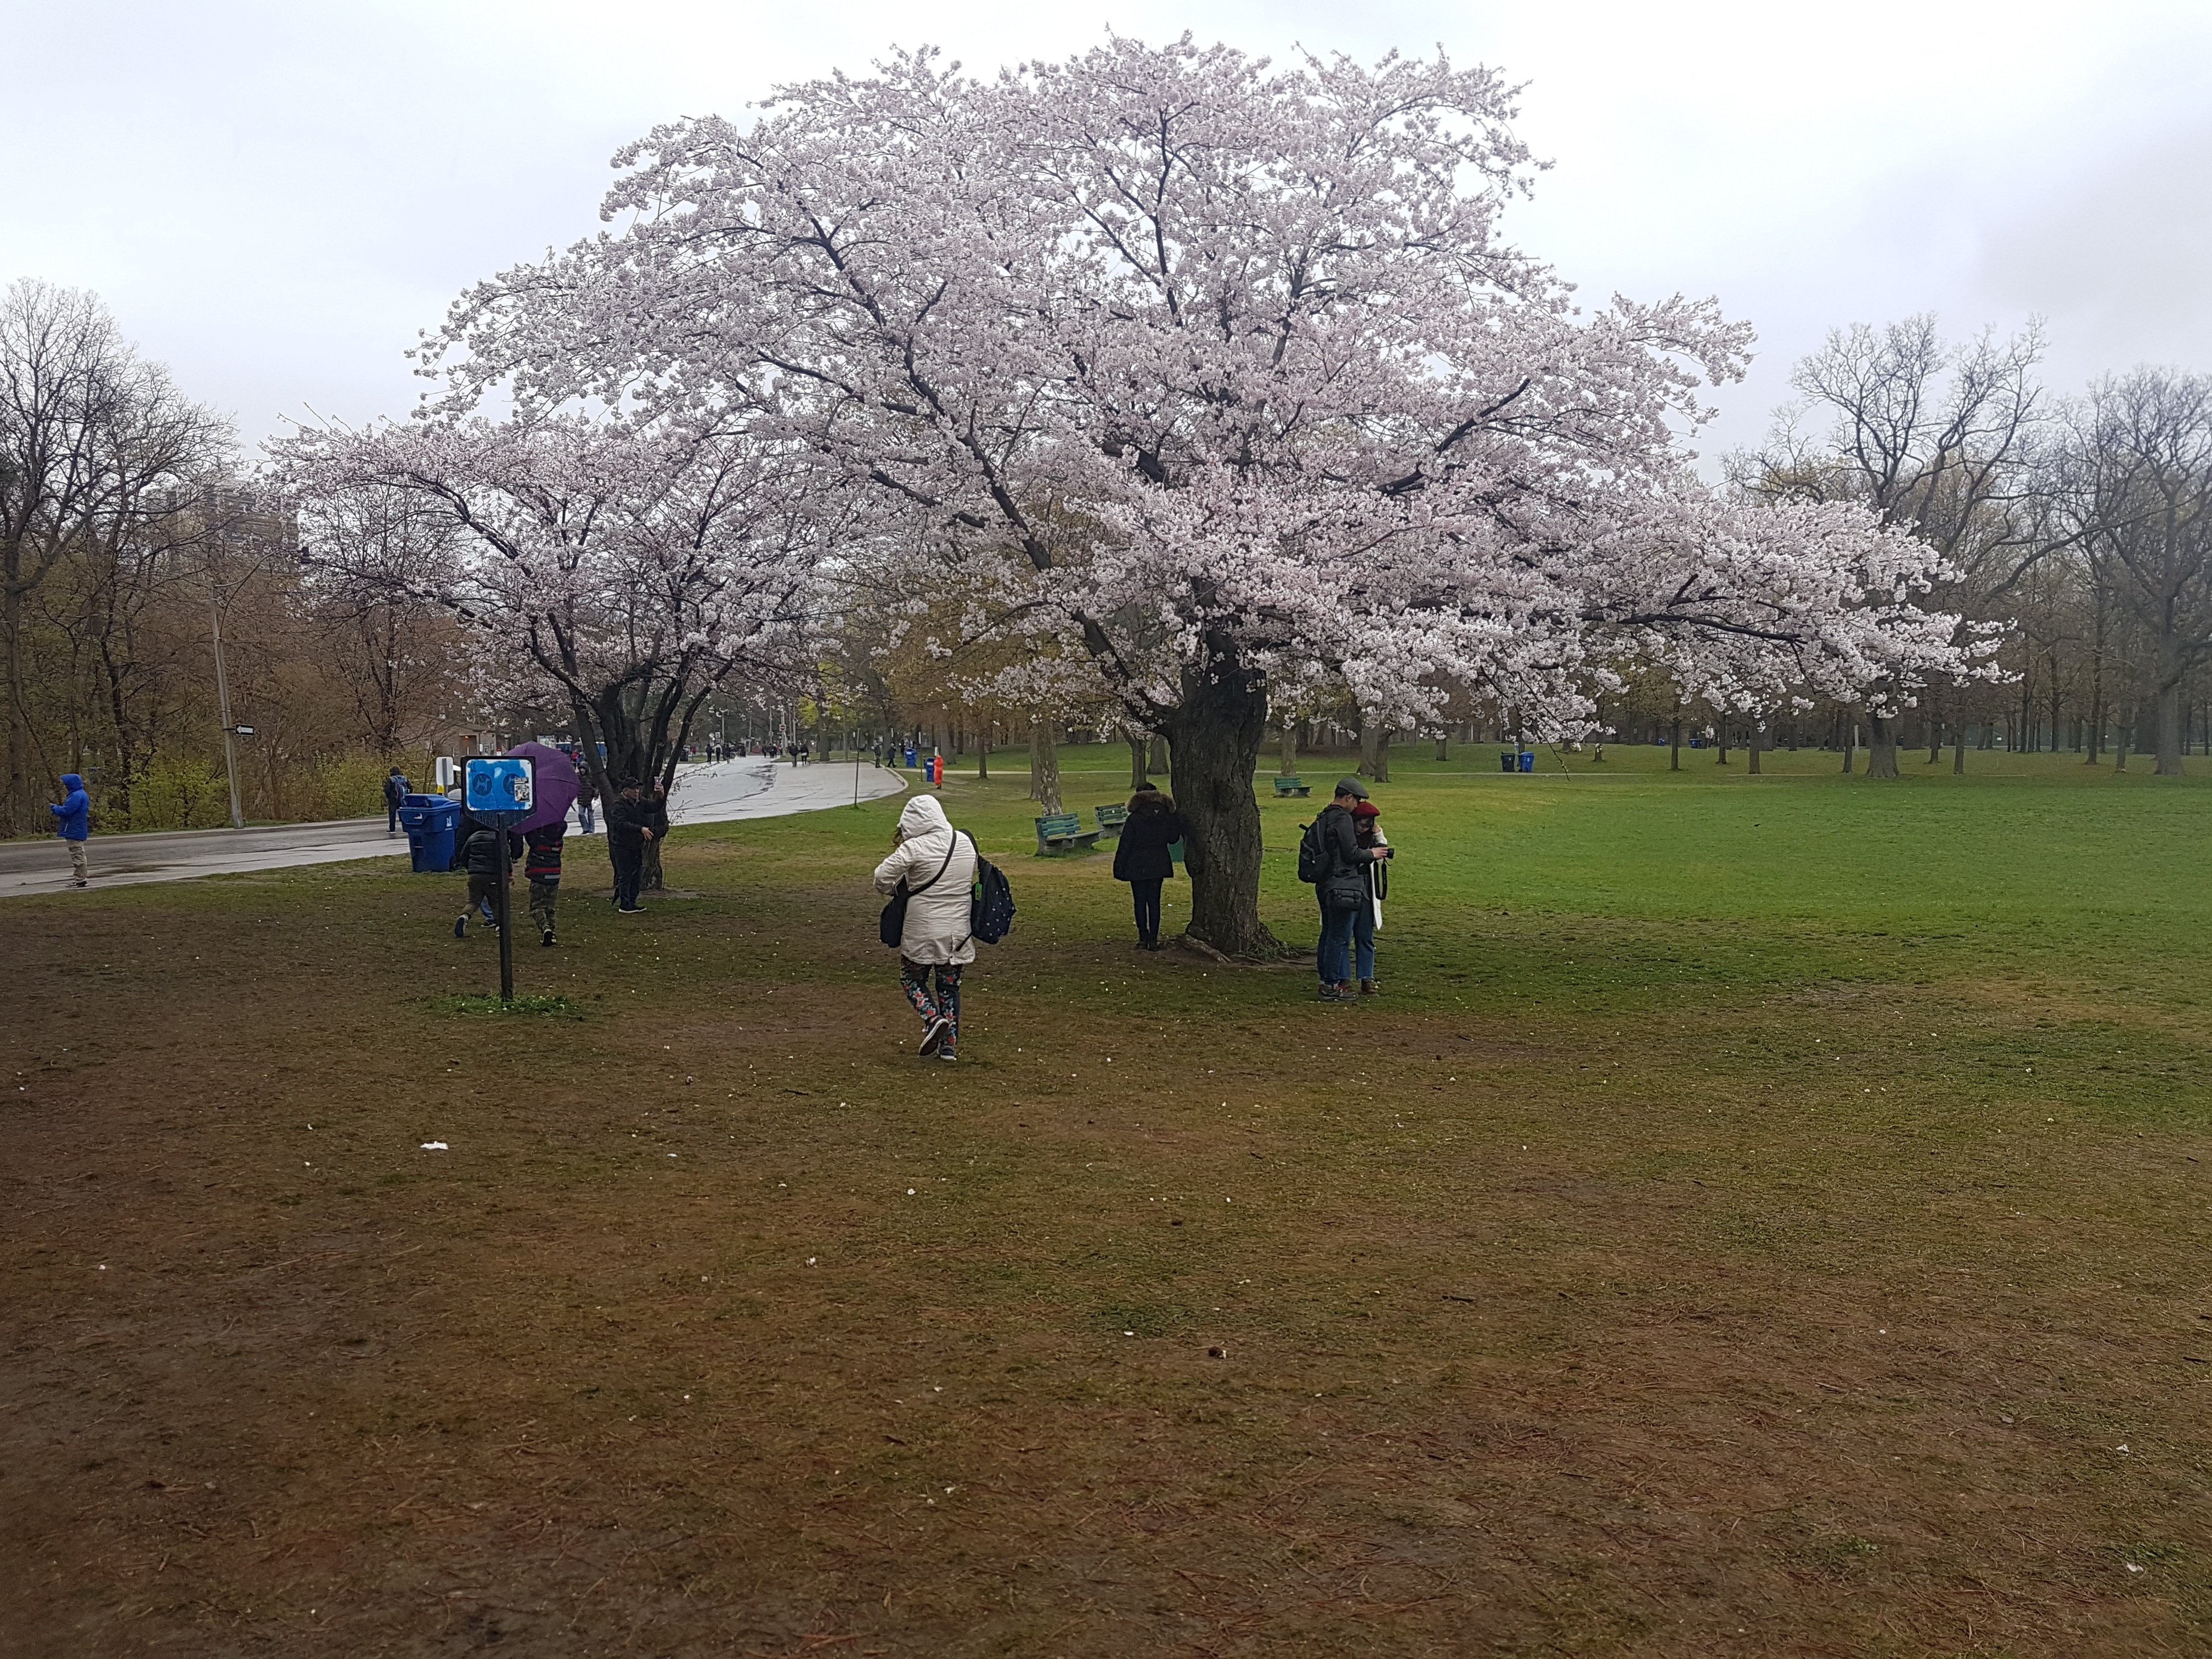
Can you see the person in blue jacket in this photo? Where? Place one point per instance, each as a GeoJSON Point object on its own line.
{"type": "Point", "coordinates": [75, 813]}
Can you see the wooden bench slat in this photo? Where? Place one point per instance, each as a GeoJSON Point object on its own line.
{"type": "Point", "coordinates": [1060, 832]}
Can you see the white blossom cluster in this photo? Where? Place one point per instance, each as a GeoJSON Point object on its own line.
{"type": "Point", "coordinates": [1193, 364]}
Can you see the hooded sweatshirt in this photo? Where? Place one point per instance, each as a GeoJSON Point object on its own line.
{"type": "Point", "coordinates": [937, 930]}
{"type": "Point", "coordinates": [76, 812]}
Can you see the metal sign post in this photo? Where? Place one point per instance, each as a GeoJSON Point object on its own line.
{"type": "Point", "coordinates": [500, 791]}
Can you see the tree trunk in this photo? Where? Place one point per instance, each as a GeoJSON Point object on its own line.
{"type": "Point", "coordinates": [1044, 767]}
{"type": "Point", "coordinates": [1935, 738]}
{"type": "Point", "coordinates": [1675, 746]}
{"type": "Point", "coordinates": [2122, 735]}
{"type": "Point", "coordinates": [1160, 765]}
{"type": "Point", "coordinates": [1289, 768]}
{"type": "Point", "coordinates": [649, 867]}
{"type": "Point", "coordinates": [1881, 747]}
{"type": "Point", "coordinates": [2169, 725]}
{"type": "Point", "coordinates": [18, 726]}
{"type": "Point", "coordinates": [1753, 746]}
{"type": "Point", "coordinates": [1215, 738]}
{"type": "Point", "coordinates": [1443, 746]}
{"type": "Point", "coordinates": [983, 754]}
{"type": "Point", "coordinates": [1140, 746]}
{"type": "Point", "coordinates": [1851, 741]}
{"type": "Point", "coordinates": [1958, 751]}
{"type": "Point", "coordinates": [1374, 751]}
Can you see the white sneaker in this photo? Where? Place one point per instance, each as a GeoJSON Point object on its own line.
{"type": "Point", "coordinates": [933, 1036]}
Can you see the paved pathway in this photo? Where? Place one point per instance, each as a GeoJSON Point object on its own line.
{"type": "Point", "coordinates": [748, 788]}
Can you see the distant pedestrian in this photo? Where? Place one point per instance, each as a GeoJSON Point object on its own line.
{"type": "Point", "coordinates": [1367, 921]}
{"type": "Point", "coordinates": [629, 827]}
{"type": "Point", "coordinates": [1142, 858]}
{"type": "Point", "coordinates": [395, 797]}
{"type": "Point", "coordinates": [1338, 866]}
{"type": "Point", "coordinates": [75, 826]}
{"type": "Point", "coordinates": [480, 858]}
{"type": "Point", "coordinates": [585, 801]}
{"type": "Point", "coordinates": [934, 865]}
{"type": "Point", "coordinates": [542, 868]}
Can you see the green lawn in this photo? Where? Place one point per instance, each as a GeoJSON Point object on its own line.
{"type": "Point", "coordinates": [1762, 1215]}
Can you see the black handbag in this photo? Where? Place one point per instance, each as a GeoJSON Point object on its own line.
{"type": "Point", "coordinates": [890, 927]}
{"type": "Point", "coordinates": [1343, 889]}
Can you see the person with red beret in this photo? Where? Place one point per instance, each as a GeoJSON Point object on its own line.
{"type": "Point", "coordinates": [1367, 921]}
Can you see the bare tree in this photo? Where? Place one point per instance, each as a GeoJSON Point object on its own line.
{"type": "Point", "coordinates": [2134, 486]}
{"type": "Point", "coordinates": [379, 553]}
{"type": "Point", "coordinates": [1933, 436]}
{"type": "Point", "coordinates": [90, 437]}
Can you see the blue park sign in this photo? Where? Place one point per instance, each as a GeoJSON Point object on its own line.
{"type": "Point", "coordinates": [499, 789]}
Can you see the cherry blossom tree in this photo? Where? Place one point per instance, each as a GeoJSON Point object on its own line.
{"type": "Point", "coordinates": [623, 572]}
{"type": "Point", "coordinates": [1212, 370]}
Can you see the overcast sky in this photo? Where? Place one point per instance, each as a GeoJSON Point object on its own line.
{"type": "Point", "coordinates": [274, 198]}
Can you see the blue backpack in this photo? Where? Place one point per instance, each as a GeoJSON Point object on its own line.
{"type": "Point", "coordinates": [990, 902]}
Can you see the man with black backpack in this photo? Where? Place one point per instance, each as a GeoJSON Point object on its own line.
{"type": "Point", "coordinates": [1332, 859]}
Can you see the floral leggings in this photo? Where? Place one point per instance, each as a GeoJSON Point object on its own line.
{"type": "Point", "coordinates": [945, 1005]}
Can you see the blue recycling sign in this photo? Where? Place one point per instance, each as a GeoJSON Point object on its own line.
{"type": "Point", "coordinates": [499, 787]}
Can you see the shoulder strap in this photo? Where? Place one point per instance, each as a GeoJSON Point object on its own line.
{"type": "Point", "coordinates": [941, 868]}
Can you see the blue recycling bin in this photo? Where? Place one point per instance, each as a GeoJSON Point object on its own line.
{"type": "Point", "coordinates": [1527, 760]}
{"type": "Point", "coordinates": [911, 762]}
{"type": "Point", "coordinates": [430, 821]}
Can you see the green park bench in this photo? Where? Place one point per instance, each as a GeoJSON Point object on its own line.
{"type": "Point", "coordinates": [1292, 786]}
{"type": "Point", "coordinates": [1111, 818]}
{"type": "Point", "coordinates": [1063, 832]}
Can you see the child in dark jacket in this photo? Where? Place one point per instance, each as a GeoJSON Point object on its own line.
{"type": "Point", "coordinates": [1142, 858]}
{"type": "Point", "coordinates": [543, 867]}
{"type": "Point", "coordinates": [480, 856]}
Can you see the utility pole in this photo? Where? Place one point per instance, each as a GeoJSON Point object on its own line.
{"type": "Point", "coordinates": [223, 702]}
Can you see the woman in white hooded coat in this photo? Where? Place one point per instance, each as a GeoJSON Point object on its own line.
{"type": "Point", "coordinates": [937, 865]}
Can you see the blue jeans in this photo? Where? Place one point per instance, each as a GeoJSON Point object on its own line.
{"type": "Point", "coordinates": [1334, 957]}
{"type": "Point", "coordinates": [1347, 940]}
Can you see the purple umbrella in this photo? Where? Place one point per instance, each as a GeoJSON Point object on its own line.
{"type": "Point", "coordinates": [557, 788]}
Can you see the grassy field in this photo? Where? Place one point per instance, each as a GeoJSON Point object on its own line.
{"type": "Point", "coordinates": [1761, 1216]}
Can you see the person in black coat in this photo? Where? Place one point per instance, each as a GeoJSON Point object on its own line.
{"type": "Point", "coordinates": [630, 820]}
{"type": "Point", "coordinates": [1142, 859]}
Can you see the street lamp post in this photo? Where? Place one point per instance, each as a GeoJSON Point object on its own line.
{"type": "Point", "coordinates": [223, 703]}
